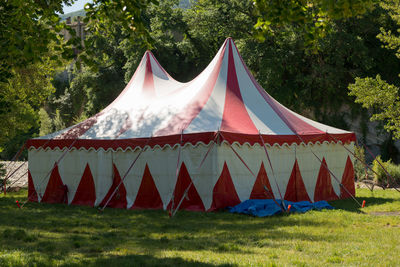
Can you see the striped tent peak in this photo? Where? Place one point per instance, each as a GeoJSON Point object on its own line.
{"type": "Point", "coordinates": [224, 96]}
{"type": "Point", "coordinates": [149, 85]}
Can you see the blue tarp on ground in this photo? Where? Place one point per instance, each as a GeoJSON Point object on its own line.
{"type": "Point", "coordinates": [268, 207]}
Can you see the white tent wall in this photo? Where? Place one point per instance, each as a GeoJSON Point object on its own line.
{"type": "Point", "coordinates": [162, 162]}
{"type": "Point", "coordinates": [41, 162]}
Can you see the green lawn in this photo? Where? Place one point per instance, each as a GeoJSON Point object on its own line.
{"type": "Point", "coordinates": [49, 235]}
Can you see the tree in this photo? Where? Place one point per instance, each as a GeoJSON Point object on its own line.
{"type": "Point", "coordinates": [32, 47]}
{"type": "Point", "coordinates": [22, 96]}
{"type": "Point", "coordinates": [185, 40]}
{"type": "Point", "coordinates": [376, 93]}
{"type": "Point", "coordinates": [312, 18]}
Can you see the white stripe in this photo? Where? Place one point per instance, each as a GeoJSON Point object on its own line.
{"type": "Point", "coordinates": [260, 112]}
{"type": "Point", "coordinates": [148, 118]}
{"type": "Point", "coordinates": [163, 84]}
{"type": "Point", "coordinates": [132, 182]}
{"type": "Point", "coordinates": [320, 126]}
{"type": "Point", "coordinates": [336, 158]}
{"type": "Point", "coordinates": [210, 117]}
{"type": "Point", "coordinates": [309, 165]}
{"type": "Point", "coordinates": [109, 124]}
{"type": "Point", "coordinates": [54, 135]}
{"type": "Point", "coordinates": [71, 169]}
{"type": "Point", "coordinates": [162, 166]}
{"type": "Point", "coordinates": [41, 162]}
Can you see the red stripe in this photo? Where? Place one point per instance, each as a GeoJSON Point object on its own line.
{"type": "Point", "coordinates": [32, 195]}
{"type": "Point", "coordinates": [295, 124]}
{"type": "Point", "coordinates": [148, 196]}
{"type": "Point", "coordinates": [323, 188]}
{"type": "Point", "coordinates": [80, 128]}
{"type": "Point", "coordinates": [224, 192]}
{"type": "Point", "coordinates": [55, 189]}
{"type": "Point", "coordinates": [86, 192]}
{"type": "Point", "coordinates": [348, 189]}
{"type": "Point", "coordinates": [116, 195]}
{"type": "Point", "coordinates": [148, 83]}
{"type": "Point", "coordinates": [296, 190]}
{"type": "Point", "coordinates": [182, 120]}
{"type": "Point", "coordinates": [235, 117]}
{"type": "Point", "coordinates": [191, 199]}
{"type": "Point", "coordinates": [258, 191]}
{"type": "Point", "coordinates": [194, 138]}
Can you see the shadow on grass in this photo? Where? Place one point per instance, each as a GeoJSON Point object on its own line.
{"type": "Point", "coordinates": [352, 206]}
{"type": "Point", "coordinates": [146, 260]}
{"type": "Point", "coordinates": [58, 231]}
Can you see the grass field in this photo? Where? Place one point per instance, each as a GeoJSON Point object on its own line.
{"type": "Point", "coordinates": [51, 235]}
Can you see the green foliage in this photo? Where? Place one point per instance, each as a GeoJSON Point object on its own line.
{"type": "Point", "coordinates": [46, 123]}
{"type": "Point", "coordinates": [32, 47]}
{"type": "Point", "coordinates": [2, 174]}
{"type": "Point", "coordinates": [21, 98]}
{"type": "Point", "coordinates": [58, 122]}
{"type": "Point", "coordinates": [382, 97]}
{"type": "Point", "coordinates": [380, 176]}
{"type": "Point", "coordinates": [312, 19]}
{"type": "Point", "coordinates": [360, 170]}
{"type": "Point", "coordinates": [375, 93]}
{"type": "Point", "coordinates": [127, 15]}
{"type": "Point", "coordinates": [27, 30]}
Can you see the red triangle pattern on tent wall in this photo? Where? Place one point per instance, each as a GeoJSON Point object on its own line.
{"type": "Point", "coordinates": [323, 188]}
{"type": "Point", "coordinates": [118, 200]}
{"type": "Point", "coordinates": [56, 191]}
{"type": "Point", "coordinates": [224, 193]}
{"type": "Point", "coordinates": [148, 196]}
{"type": "Point", "coordinates": [348, 180]}
{"type": "Point", "coordinates": [262, 180]}
{"type": "Point", "coordinates": [86, 192]}
{"type": "Point", "coordinates": [32, 195]}
{"type": "Point", "coordinates": [295, 189]}
{"type": "Point", "coordinates": [192, 200]}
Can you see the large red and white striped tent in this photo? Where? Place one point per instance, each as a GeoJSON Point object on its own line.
{"type": "Point", "coordinates": [220, 133]}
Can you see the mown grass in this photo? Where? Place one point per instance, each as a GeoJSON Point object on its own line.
{"type": "Point", "coordinates": [51, 235]}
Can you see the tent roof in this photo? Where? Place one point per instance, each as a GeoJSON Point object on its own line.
{"type": "Point", "coordinates": [224, 98]}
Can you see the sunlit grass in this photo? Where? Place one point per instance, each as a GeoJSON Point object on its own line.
{"type": "Point", "coordinates": [50, 235]}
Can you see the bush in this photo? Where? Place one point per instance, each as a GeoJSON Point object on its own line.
{"type": "Point", "coordinates": [380, 176]}
{"type": "Point", "coordinates": [359, 168]}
